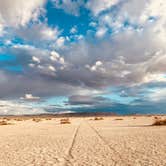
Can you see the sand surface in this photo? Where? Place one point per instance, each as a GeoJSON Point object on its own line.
{"type": "Point", "coordinates": [84, 142]}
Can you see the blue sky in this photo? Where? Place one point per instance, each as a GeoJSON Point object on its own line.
{"type": "Point", "coordinates": [79, 55]}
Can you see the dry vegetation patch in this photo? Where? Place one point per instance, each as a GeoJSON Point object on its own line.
{"type": "Point", "coordinates": [98, 118]}
{"type": "Point", "coordinates": [5, 118]}
{"type": "Point", "coordinates": [4, 122]}
{"type": "Point", "coordinates": [36, 119]}
{"type": "Point", "coordinates": [65, 121]}
{"type": "Point", "coordinates": [159, 122]}
{"type": "Point", "coordinates": [156, 117]}
{"type": "Point", "coordinates": [119, 119]}
{"type": "Point", "coordinates": [48, 118]}
{"type": "Point", "coordinates": [18, 119]}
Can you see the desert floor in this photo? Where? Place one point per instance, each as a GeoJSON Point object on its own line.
{"type": "Point", "coordinates": [117, 141]}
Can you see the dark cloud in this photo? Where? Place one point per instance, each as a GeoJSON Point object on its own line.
{"type": "Point", "coordinates": [131, 59]}
{"type": "Point", "coordinates": [86, 100]}
{"type": "Point", "coordinates": [138, 107]}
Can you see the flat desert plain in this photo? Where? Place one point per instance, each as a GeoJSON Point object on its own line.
{"type": "Point", "coordinates": [120, 141]}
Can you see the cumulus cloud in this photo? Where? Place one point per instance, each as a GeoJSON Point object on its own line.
{"type": "Point", "coordinates": [128, 51]}
{"type": "Point", "coordinates": [19, 13]}
{"type": "Point", "coordinates": [39, 32]}
{"type": "Point", "coordinates": [73, 30]}
{"type": "Point", "coordinates": [27, 21]}
{"type": "Point", "coordinates": [35, 59]}
{"type": "Point", "coordinates": [115, 65]}
{"type": "Point", "coordinates": [98, 66]}
{"type": "Point", "coordinates": [60, 42]}
{"type": "Point", "coordinates": [121, 64]}
{"type": "Point", "coordinates": [101, 31]}
{"type": "Point", "coordinates": [97, 6]}
{"type": "Point", "coordinates": [30, 97]}
{"type": "Point", "coordinates": [69, 6]}
{"type": "Point", "coordinates": [52, 68]}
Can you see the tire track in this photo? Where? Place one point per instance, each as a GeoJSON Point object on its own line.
{"type": "Point", "coordinates": [110, 147]}
{"type": "Point", "coordinates": [115, 151]}
{"type": "Point", "coordinates": [69, 158]}
{"type": "Point", "coordinates": [103, 142]}
{"type": "Point", "coordinates": [68, 154]}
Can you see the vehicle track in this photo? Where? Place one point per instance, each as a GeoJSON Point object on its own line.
{"type": "Point", "coordinates": [110, 151]}
{"type": "Point", "coordinates": [126, 146]}
{"type": "Point", "coordinates": [68, 154]}
{"type": "Point", "coordinates": [70, 159]}
{"type": "Point", "coordinates": [107, 144]}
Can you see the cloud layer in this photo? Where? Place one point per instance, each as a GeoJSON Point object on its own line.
{"type": "Point", "coordinates": [121, 47]}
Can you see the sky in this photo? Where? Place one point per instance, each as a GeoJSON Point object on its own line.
{"type": "Point", "coordinates": [82, 55]}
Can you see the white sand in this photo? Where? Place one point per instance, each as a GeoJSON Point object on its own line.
{"type": "Point", "coordinates": [84, 142]}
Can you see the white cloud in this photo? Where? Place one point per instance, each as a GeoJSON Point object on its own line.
{"type": "Point", "coordinates": [73, 30]}
{"type": "Point", "coordinates": [157, 95]}
{"type": "Point", "coordinates": [79, 37]}
{"type": "Point", "coordinates": [154, 8]}
{"type": "Point", "coordinates": [154, 78]}
{"type": "Point", "coordinates": [1, 30]}
{"type": "Point", "coordinates": [51, 68]}
{"type": "Point", "coordinates": [18, 108]}
{"type": "Point", "coordinates": [35, 59]}
{"type": "Point", "coordinates": [8, 42]}
{"type": "Point", "coordinates": [60, 42]}
{"type": "Point", "coordinates": [23, 46]}
{"type": "Point", "coordinates": [99, 63]}
{"type": "Point", "coordinates": [49, 33]}
{"type": "Point", "coordinates": [69, 6]}
{"type": "Point", "coordinates": [98, 66]}
{"type": "Point", "coordinates": [38, 33]}
{"type": "Point", "coordinates": [101, 31]}
{"type": "Point", "coordinates": [31, 65]}
{"type": "Point", "coordinates": [45, 70]}
{"type": "Point", "coordinates": [140, 15]}
{"type": "Point", "coordinates": [97, 6]}
{"type": "Point", "coordinates": [62, 61]}
{"type": "Point", "coordinates": [30, 97]}
{"type": "Point", "coordinates": [93, 24]}
{"type": "Point", "coordinates": [55, 57]}
{"type": "Point", "coordinates": [128, 58]}
{"type": "Point", "coordinates": [108, 20]}
{"type": "Point", "coordinates": [19, 12]}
